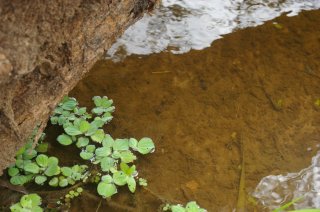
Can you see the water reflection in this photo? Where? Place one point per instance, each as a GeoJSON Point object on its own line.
{"type": "Point", "coordinates": [273, 190]}
{"type": "Point", "coordinates": [181, 25]}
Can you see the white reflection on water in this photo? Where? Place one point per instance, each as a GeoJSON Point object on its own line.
{"type": "Point", "coordinates": [181, 25]}
{"type": "Point", "coordinates": [273, 191]}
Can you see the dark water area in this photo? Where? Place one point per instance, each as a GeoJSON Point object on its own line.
{"type": "Point", "coordinates": [252, 91]}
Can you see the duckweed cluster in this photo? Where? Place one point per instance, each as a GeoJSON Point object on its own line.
{"type": "Point", "coordinates": [111, 160]}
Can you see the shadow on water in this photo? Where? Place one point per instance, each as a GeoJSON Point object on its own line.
{"type": "Point", "coordinates": [256, 86]}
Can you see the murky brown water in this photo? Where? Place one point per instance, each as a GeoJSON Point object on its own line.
{"type": "Point", "coordinates": [256, 86]}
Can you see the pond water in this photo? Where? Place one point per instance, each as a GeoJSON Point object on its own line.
{"type": "Point", "coordinates": [247, 101]}
{"type": "Point", "coordinates": [228, 96]}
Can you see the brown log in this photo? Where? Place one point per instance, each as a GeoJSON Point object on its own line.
{"type": "Point", "coordinates": [46, 47]}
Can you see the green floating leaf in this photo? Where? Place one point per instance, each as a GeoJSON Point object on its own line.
{"type": "Point", "coordinates": [40, 179]}
{"type": "Point", "coordinates": [133, 143]}
{"type": "Point", "coordinates": [143, 182]}
{"type": "Point", "coordinates": [116, 155]}
{"type": "Point", "coordinates": [193, 207]}
{"type": "Point", "coordinates": [32, 168]}
{"type": "Point", "coordinates": [76, 176]}
{"type": "Point", "coordinates": [84, 126]}
{"type": "Point", "coordinates": [90, 148]}
{"type": "Point", "coordinates": [107, 117]}
{"type": "Point", "coordinates": [26, 202]}
{"type": "Point", "coordinates": [106, 163]}
{"type": "Point", "coordinates": [13, 171]}
{"type": "Point", "coordinates": [54, 182]}
{"type": "Point", "coordinates": [121, 145]}
{"type": "Point", "coordinates": [108, 141]}
{"type": "Point", "coordinates": [64, 139]}
{"type": "Point", "coordinates": [79, 190]}
{"type": "Point", "coordinates": [82, 110]}
{"type": "Point", "coordinates": [86, 155]}
{"type": "Point", "coordinates": [106, 103]}
{"type": "Point", "coordinates": [16, 207]}
{"type": "Point", "coordinates": [29, 154]}
{"type": "Point", "coordinates": [69, 103]}
{"type": "Point", "coordinates": [53, 168]}
{"type": "Point", "coordinates": [177, 208]}
{"type": "Point", "coordinates": [19, 163]}
{"type": "Point", "coordinates": [106, 179]}
{"type": "Point", "coordinates": [106, 189]}
{"type": "Point", "coordinates": [103, 151]}
{"type": "Point", "coordinates": [42, 160]}
{"type": "Point", "coordinates": [18, 180]}
{"type": "Point", "coordinates": [131, 184]}
{"type": "Point", "coordinates": [82, 142]}
{"type": "Point", "coordinates": [53, 161]}
{"type": "Point", "coordinates": [97, 101]}
{"type": "Point", "coordinates": [145, 146]}
{"type": "Point", "coordinates": [127, 156]}
{"type": "Point", "coordinates": [63, 182]}
{"type": "Point", "coordinates": [98, 136]}
{"type": "Point", "coordinates": [120, 178]}
{"type": "Point", "coordinates": [35, 198]}
{"type": "Point", "coordinates": [97, 122]}
{"type": "Point", "coordinates": [72, 130]}
{"type": "Point", "coordinates": [127, 169]}
{"type": "Point", "coordinates": [42, 148]}
{"type": "Point", "coordinates": [98, 110]}
{"type": "Point", "coordinates": [66, 171]}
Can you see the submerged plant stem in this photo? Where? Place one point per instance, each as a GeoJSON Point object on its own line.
{"type": "Point", "coordinates": [241, 203]}
{"type": "Point", "coordinates": [99, 206]}
{"type": "Point", "coordinates": [6, 184]}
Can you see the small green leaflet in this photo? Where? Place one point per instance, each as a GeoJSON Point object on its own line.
{"type": "Point", "coordinates": [72, 130]}
{"type": "Point", "coordinates": [82, 142]}
{"type": "Point", "coordinates": [131, 184]}
{"type": "Point", "coordinates": [86, 155]}
{"type": "Point", "coordinates": [42, 160]}
{"type": "Point", "coordinates": [121, 145]}
{"type": "Point", "coordinates": [103, 151]}
{"type": "Point", "coordinates": [66, 171]}
{"type": "Point", "coordinates": [120, 178]}
{"type": "Point", "coordinates": [32, 168]}
{"type": "Point", "coordinates": [13, 171]}
{"type": "Point", "coordinates": [54, 182]}
{"type": "Point", "coordinates": [64, 139]}
{"type": "Point", "coordinates": [69, 103]}
{"type": "Point", "coordinates": [145, 146]}
{"type": "Point", "coordinates": [40, 179]}
{"type": "Point", "coordinates": [127, 156]}
{"type": "Point", "coordinates": [98, 136]}
{"type": "Point", "coordinates": [106, 189]}
{"type": "Point", "coordinates": [106, 163]}
{"type": "Point", "coordinates": [84, 126]}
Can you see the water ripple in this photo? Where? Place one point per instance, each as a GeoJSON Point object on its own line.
{"type": "Point", "coordinates": [181, 25]}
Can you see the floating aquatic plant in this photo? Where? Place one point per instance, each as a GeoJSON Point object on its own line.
{"type": "Point", "coordinates": [114, 157]}
{"type": "Point", "coordinates": [28, 203]}
{"type": "Point", "coordinates": [190, 207]}
{"type": "Point", "coordinates": [112, 160]}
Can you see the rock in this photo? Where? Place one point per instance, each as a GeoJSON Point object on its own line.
{"type": "Point", "coordinates": [46, 47]}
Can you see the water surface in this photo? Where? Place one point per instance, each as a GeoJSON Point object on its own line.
{"type": "Point", "coordinates": [254, 90]}
{"type": "Point", "coordinates": [180, 25]}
